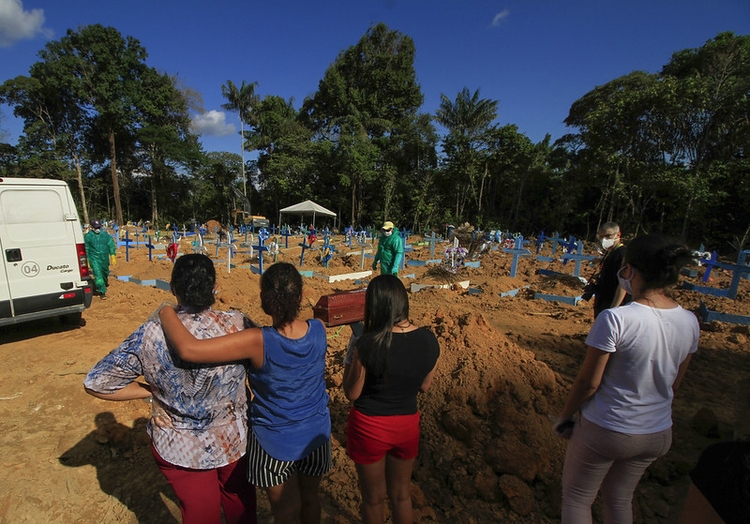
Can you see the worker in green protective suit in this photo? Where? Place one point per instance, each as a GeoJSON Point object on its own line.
{"type": "Point", "coordinates": [390, 250]}
{"type": "Point", "coordinates": [100, 250]}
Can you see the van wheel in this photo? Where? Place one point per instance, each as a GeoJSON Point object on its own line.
{"type": "Point", "coordinates": [72, 319]}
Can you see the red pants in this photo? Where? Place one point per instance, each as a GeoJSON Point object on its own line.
{"type": "Point", "coordinates": [204, 492]}
{"type": "Point", "coordinates": [370, 438]}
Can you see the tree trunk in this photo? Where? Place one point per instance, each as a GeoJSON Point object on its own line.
{"type": "Point", "coordinates": [115, 179]}
{"type": "Point", "coordinates": [79, 178]}
{"type": "Point", "coordinates": [686, 218]}
{"type": "Point", "coordinates": [242, 142]}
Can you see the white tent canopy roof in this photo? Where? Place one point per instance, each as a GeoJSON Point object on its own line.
{"type": "Point", "coordinates": [308, 207]}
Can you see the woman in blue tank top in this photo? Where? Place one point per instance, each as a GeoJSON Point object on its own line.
{"type": "Point", "coordinates": [289, 443]}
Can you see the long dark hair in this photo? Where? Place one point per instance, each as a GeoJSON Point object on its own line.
{"type": "Point", "coordinates": [193, 280]}
{"type": "Point", "coordinates": [659, 259]}
{"type": "Point", "coordinates": [386, 304]}
{"type": "Point", "coordinates": [281, 293]}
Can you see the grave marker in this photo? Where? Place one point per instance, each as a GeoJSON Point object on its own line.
{"type": "Point", "coordinates": [263, 235]}
{"type": "Point", "coordinates": [579, 257]}
{"type": "Point", "coordinates": [517, 251]}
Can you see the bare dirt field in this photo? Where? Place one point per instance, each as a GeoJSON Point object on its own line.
{"type": "Point", "coordinates": [488, 453]}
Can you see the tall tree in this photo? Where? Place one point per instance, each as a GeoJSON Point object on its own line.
{"type": "Point", "coordinates": [105, 72]}
{"type": "Point", "coordinates": [242, 100]}
{"type": "Point", "coordinates": [468, 120]}
{"type": "Point", "coordinates": [164, 142]}
{"type": "Point", "coordinates": [367, 98]}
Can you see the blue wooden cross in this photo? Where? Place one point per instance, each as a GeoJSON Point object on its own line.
{"type": "Point", "coordinates": [710, 262]}
{"type": "Point", "coordinates": [286, 232]}
{"type": "Point", "coordinates": [432, 239]}
{"type": "Point", "coordinates": [570, 246]}
{"type": "Point", "coordinates": [578, 256]}
{"type": "Point", "coordinates": [738, 270]}
{"type": "Point", "coordinates": [137, 234]}
{"type": "Point", "coordinates": [150, 247]}
{"type": "Point", "coordinates": [517, 251]}
{"type": "Point", "coordinates": [540, 241]}
{"type": "Point", "coordinates": [263, 235]}
{"type": "Point", "coordinates": [556, 239]}
{"type": "Point", "coordinates": [127, 242]}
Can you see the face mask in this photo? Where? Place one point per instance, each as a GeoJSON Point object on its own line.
{"type": "Point", "coordinates": [626, 283]}
{"type": "Point", "coordinates": [388, 233]}
{"type": "Point", "coordinates": [608, 242]}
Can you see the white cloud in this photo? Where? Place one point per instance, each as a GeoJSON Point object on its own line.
{"type": "Point", "coordinates": [499, 17]}
{"type": "Point", "coordinates": [17, 24]}
{"type": "Point", "coordinates": [212, 123]}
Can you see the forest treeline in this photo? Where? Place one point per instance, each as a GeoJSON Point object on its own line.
{"type": "Point", "coordinates": [656, 152]}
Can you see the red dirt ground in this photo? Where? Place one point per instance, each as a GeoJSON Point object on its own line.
{"type": "Point", "coordinates": [487, 454]}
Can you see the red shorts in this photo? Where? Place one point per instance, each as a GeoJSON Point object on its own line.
{"type": "Point", "coordinates": [370, 438]}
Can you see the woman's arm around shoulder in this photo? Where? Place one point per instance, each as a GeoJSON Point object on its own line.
{"type": "Point", "coordinates": [242, 345]}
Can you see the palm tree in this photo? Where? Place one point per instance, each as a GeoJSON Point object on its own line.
{"type": "Point", "coordinates": [242, 100]}
{"type": "Point", "coordinates": [468, 115]}
{"type": "Point", "coordinates": [467, 120]}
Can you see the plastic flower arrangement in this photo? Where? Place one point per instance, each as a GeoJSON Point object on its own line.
{"type": "Point", "coordinates": [454, 258]}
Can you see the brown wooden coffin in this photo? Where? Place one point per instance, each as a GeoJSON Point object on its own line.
{"type": "Point", "coordinates": [345, 307]}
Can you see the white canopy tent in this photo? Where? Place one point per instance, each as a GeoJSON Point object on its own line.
{"type": "Point", "coordinates": [308, 207]}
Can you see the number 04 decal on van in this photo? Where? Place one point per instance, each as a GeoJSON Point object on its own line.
{"type": "Point", "coordinates": [30, 269]}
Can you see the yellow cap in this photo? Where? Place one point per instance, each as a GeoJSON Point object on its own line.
{"type": "Point", "coordinates": [388, 225]}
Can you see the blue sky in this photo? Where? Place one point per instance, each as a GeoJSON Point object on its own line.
{"type": "Point", "coordinates": [535, 57]}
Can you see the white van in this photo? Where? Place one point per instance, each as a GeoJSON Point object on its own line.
{"type": "Point", "coordinates": [44, 271]}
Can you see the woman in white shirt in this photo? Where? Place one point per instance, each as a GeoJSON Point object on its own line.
{"type": "Point", "coordinates": [636, 357]}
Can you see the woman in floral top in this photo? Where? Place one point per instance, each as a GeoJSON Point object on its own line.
{"type": "Point", "coordinates": [201, 449]}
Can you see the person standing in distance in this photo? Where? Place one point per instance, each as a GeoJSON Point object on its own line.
{"type": "Point", "coordinates": [100, 250]}
{"type": "Point", "coordinates": [390, 250]}
{"type": "Point", "coordinates": [607, 290]}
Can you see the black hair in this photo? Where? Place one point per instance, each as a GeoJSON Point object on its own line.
{"type": "Point", "coordinates": [658, 258]}
{"type": "Point", "coordinates": [281, 293]}
{"type": "Point", "coordinates": [193, 281]}
{"type": "Point", "coordinates": [386, 304]}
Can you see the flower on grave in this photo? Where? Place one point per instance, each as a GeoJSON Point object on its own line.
{"type": "Point", "coordinates": [454, 257]}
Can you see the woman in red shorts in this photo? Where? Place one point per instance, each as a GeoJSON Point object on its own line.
{"type": "Point", "coordinates": [384, 371]}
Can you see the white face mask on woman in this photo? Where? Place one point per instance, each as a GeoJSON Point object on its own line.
{"type": "Point", "coordinates": [388, 232]}
{"type": "Point", "coordinates": [626, 283]}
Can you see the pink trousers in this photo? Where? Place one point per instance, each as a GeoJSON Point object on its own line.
{"type": "Point", "coordinates": [599, 458]}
